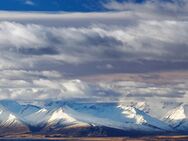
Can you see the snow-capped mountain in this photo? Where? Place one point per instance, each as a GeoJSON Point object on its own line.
{"type": "Point", "coordinates": [116, 116]}
{"type": "Point", "coordinates": [67, 116]}
{"type": "Point", "coordinates": [9, 122]}
{"type": "Point", "coordinates": [60, 117]}
{"type": "Point", "coordinates": [57, 117]}
{"type": "Point", "coordinates": [37, 119]}
{"type": "Point", "coordinates": [178, 117]}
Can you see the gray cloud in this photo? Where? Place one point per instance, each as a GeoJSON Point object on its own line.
{"type": "Point", "coordinates": [151, 40]}
{"type": "Point", "coordinates": [39, 51]}
{"type": "Point", "coordinates": [31, 85]}
{"type": "Point", "coordinates": [152, 7]}
{"type": "Point", "coordinates": [131, 90]}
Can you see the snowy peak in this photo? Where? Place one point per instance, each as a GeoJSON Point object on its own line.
{"type": "Point", "coordinates": [38, 118]}
{"type": "Point", "coordinates": [176, 114]}
{"type": "Point", "coordinates": [123, 117]}
{"type": "Point", "coordinates": [67, 115]}
{"type": "Point", "coordinates": [141, 118]}
{"type": "Point", "coordinates": [45, 118]}
{"type": "Point", "coordinates": [60, 114]}
{"type": "Point", "coordinates": [9, 122]}
{"type": "Point", "coordinates": [132, 113]}
{"type": "Point", "coordinates": [141, 105]}
{"type": "Point", "coordinates": [6, 118]}
{"type": "Point", "coordinates": [62, 117]}
{"type": "Point", "coordinates": [178, 117]}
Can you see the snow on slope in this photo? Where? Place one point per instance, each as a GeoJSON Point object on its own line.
{"type": "Point", "coordinates": [10, 122]}
{"type": "Point", "coordinates": [124, 116]}
{"type": "Point", "coordinates": [38, 118]}
{"type": "Point", "coordinates": [178, 117]}
{"type": "Point", "coordinates": [155, 109]}
{"type": "Point", "coordinates": [44, 117]}
{"type": "Point", "coordinates": [115, 116]}
{"type": "Point", "coordinates": [7, 118]}
{"type": "Point", "coordinates": [98, 114]}
{"type": "Point", "coordinates": [60, 114]}
{"type": "Point", "coordinates": [60, 117]}
{"type": "Point", "coordinates": [143, 118]}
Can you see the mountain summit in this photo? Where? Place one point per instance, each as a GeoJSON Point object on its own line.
{"type": "Point", "coordinates": [87, 119]}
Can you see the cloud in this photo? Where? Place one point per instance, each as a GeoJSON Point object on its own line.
{"type": "Point", "coordinates": [132, 90]}
{"type": "Point", "coordinates": [31, 85]}
{"type": "Point", "coordinates": [148, 40]}
{"type": "Point", "coordinates": [41, 52]}
{"type": "Point", "coordinates": [155, 7]}
{"type": "Point", "coordinates": [29, 2]}
{"type": "Point", "coordinates": [43, 85]}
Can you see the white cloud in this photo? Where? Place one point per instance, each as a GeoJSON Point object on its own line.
{"type": "Point", "coordinates": [132, 91]}
{"type": "Point", "coordinates": [29, 2]}
{"type": "Point", "coordinates": [34, 47]}
{"type": "Point", "coordinates": [152, 40]}
{"type": "Point", "coordinates": [29, 52]}
{"type": "Point", "coordinates": [149, 7]}
{"type": "Point", "coordinates": [20, 36]}
{"type": "Point", "coordinates": [34, 88]}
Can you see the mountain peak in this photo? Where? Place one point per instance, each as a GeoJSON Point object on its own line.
{"type": "Point", "coordinates": [177, 117]}
{"type": "Point", "coordinates": [60, 114]}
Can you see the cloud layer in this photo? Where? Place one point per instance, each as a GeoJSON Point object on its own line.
{"type": "Point", "coordinates": [40, 51]}
{"type": "Point", "coordinates": [32, 54]}
{"type": "Point", "coordinates": [147, 40]}
{"type": "Point", "coordinates": [151, 7]}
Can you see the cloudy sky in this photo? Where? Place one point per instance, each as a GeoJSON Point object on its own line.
{"type": "Point", "coordinates": [78, 48]}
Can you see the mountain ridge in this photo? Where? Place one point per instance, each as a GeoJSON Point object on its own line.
{"type": "Point", "coordinates": [85, 119]}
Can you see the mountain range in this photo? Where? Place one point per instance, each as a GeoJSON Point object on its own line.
{"type": "Point", "coordinates": [70, 118]}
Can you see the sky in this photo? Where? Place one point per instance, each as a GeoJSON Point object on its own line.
{"type": "Point", "coordinates": [57, 5]}
{"type": "Point", "coordinates": [58, 49]}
